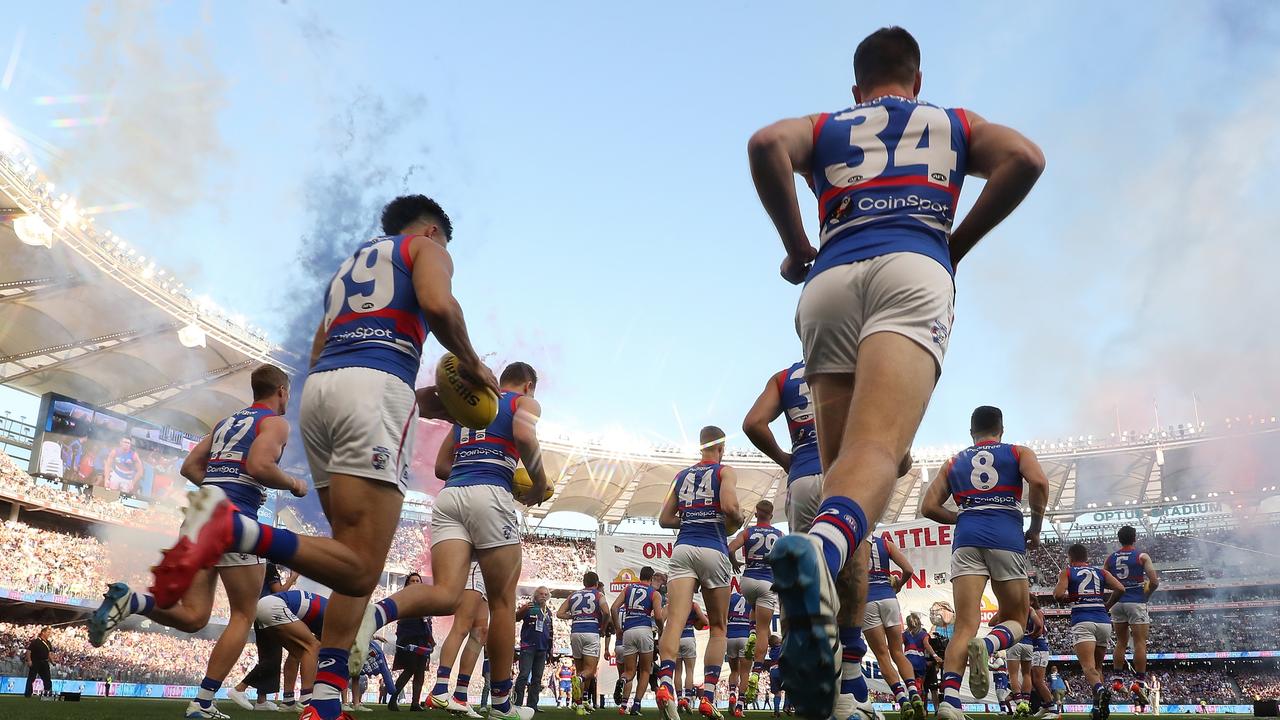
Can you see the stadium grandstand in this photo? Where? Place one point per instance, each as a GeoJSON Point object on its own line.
{"type": "Point", "coordinates": [86, 318]}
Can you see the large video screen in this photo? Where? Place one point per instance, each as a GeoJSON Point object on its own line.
{"type": "Point", "coordinates": [79, 443]}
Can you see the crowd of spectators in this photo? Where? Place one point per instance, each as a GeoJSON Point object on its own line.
{"type": "Point", "coordinates": [143, 657]}
{"type": "Point", "coordinates": [1199, 631]}
{"type": "Point", "coordinates": [558, 560]}
{"type": "Point", "coordinates": [1180, 686]}
{"type": "Point", "coordinates": [409, 546]}
{"type": "Point", "coordinates": [79, 566]}
{"type": "Point", "coordinates": [548, 560]}
{"type": "Point", "coordinates": [1186, 556]}
{"type": "Point", "coordinates": [1257, 684]}
{"type": "Point", "coordinates": [16, 484]}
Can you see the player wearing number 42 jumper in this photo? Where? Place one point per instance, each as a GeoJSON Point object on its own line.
{"type": "Point", "coordinates": [236, 461]}
{"type": "Point", "coordinates": [985, 481]}
{"type": "Point", "coordinates": [876, 312]}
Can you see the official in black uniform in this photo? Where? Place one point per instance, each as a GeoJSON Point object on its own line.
{"type": "Point", "coordinates": [37, 658]}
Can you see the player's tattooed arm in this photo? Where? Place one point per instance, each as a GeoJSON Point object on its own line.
{"type": "Point", "coordinates": [729, 505]}
{"type": "Point", "coordinates": [1153, 577]}
{"type": "Point", "coordinates": [273, 433]}
{"type": "Point", "coordinates": [433, 285]}
{"type": "Point", "coordinates": [702, 621]}
{"type": "Point", "coordinates": [1116, 587]}
{"type": "Point", "coordinates": [444, 457]}
{"type": "Point", "coordinates": [932, 505]}
{"type": "Point", "coordinates": [776, 153]}
{"type": "Point", "coordinates": [1038, 491]}
{"type": "Point", "coordinates": [197, 461]}
{"type": "Point", "coordinates": [669, 517]}
{"type": "Point", "coordinates": [900, 559]}
{"type": "Point", "coordinates": [615, 613]}
{"type": "Point", "coordinates": [525, 429]}
{"type": "Point", "coordinates": [767, 408]}
{"type": "Point", "coordinates": [734, 546]}
{"type": "Point", "coordinates": [1060, 592]}
{"type": "Point", "coordinates": [1011, 164]}
{"type": "Point", "coordinates": [317, 344]}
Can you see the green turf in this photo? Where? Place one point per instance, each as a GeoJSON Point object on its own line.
{"type": "Point", "coordinates": [17, 708]}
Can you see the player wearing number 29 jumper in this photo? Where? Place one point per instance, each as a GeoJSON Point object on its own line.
{"type": "Point", "coordinates": [876, 311]}
{"type": "Point", "coordinates": [985, 481]}
{"type": "Point", "coordinates": [702, 502]}
{"type": "Point", "coordinates": [357, 416]}
{"type": "Point", "coordinates": [756, 582]}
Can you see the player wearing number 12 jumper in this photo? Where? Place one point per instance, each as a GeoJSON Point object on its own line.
{"type": "Point", "coordinates": [876, 310]}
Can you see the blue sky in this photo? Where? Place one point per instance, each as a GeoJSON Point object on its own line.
{"type": "Point", "coordinates": [593, 159]}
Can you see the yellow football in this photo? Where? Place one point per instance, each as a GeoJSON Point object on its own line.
{"type": "Point", "coordinates": [467, 404]}
{"type": "Point", "coordinates": [521, 484]}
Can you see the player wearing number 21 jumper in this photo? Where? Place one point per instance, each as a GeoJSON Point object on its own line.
{"type": "Point", "coordinates": [985, 482]}
{"type": "Point", "coordinates": [875, 315]}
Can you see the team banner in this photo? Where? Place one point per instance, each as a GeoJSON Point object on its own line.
{"type": "Point", "coordinates": [620, 557]}
{"type": "Point", "coordinates": [926, 544]}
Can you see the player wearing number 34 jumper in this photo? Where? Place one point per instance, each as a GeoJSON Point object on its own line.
{"type": "Point", "coordinates": [877, 306]}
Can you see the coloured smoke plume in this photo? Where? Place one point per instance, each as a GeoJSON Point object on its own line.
{"type": "Point", "coordinates": [151, 130]}
{"type": "Point", "coordinates": [1149, 292]}
{"type": "Point", "coordinates": [344, 200]}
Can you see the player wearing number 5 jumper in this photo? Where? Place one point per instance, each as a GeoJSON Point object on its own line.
{"type": "Point", "coordinates": [984, 483]}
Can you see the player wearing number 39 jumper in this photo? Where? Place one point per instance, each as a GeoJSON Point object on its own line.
{"type": "Point", "coordinates": [985, 482]}
{"type": "Point", "coordinates": [357, 418]}
{"type": "Point", "coordinates": [876, 312]}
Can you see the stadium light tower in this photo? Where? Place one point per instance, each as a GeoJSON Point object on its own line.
{"type": "Point", "coordinates": [31, 230]}
{"type": "Point", "coordinates": [191, 335]}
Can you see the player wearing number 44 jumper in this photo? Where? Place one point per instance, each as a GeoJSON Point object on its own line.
{"type": "Point", "coordinates": [876, 312]}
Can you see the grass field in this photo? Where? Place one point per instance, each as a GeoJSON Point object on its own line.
{"type": "Point", "coordinates": [18, 708]}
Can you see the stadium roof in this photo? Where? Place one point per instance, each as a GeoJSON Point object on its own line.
{"type": "Point", "coordinates": [85, 315]}
{"type": "Point", "coordinates": [1182, 464]}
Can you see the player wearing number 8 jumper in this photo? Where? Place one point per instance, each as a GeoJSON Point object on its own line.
{"type": "Point", "coordinates": [875, 315]}
{"type": "Point", "coordinates": [985, 481]}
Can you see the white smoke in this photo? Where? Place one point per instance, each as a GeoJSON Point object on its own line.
{"type": "Point", "coordinates": [158, 131]}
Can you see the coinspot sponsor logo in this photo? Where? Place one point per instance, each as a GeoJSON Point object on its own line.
{"type": "Point", "coordinates": [365, 333]}
{"type": "Point", "coordinates": [909, 202]}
